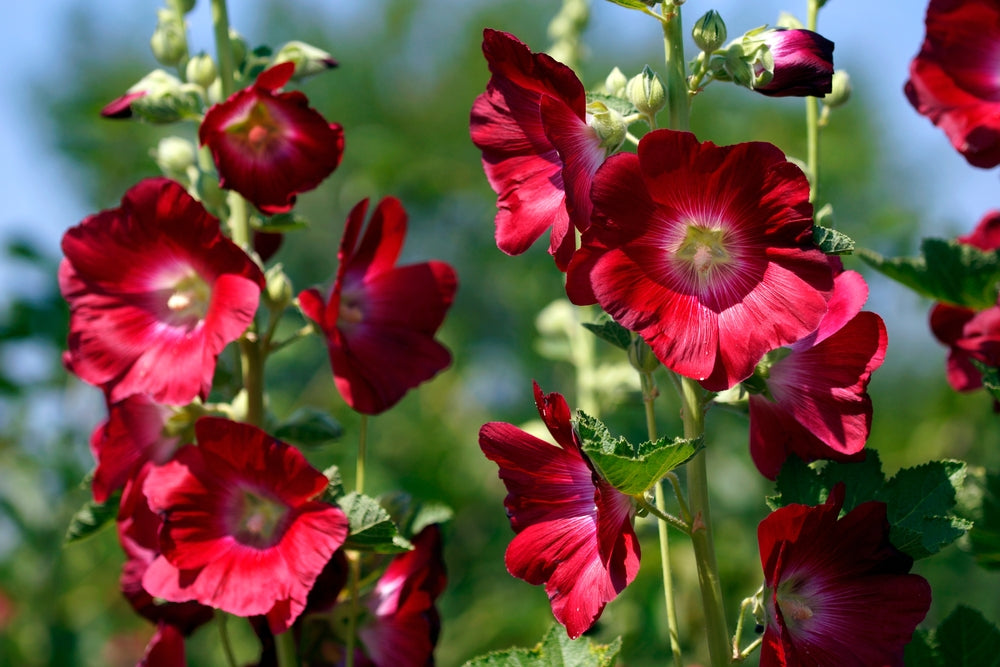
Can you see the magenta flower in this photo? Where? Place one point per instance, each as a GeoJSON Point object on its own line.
{"type": "Point", "coordinates": [953, 80]}
{"type": "Point", "coordinates": [818, 405]}
{"type": "Point", "coordinates": [155, 293]}
{"type": "Point", "coordinates": [573, 530]}
{"type": "Point", "coordinates": [269, 146]}
{"type": "Point", "coordinates": [539, 154]}
{"type": "Point", "coordinates": [803, 64]}
{"type": "Point", "coordinates": [380, 319]}
{"type": "Point", "coordinates": [242, 529]}
{"type": "Point", "coordinates": [836, 592]}
{"type": "Point", "coordinates": [705, 251]}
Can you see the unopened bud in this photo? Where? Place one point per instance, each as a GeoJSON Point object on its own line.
{"type": "Point", "coordinates": [608, 124]}
{"type": "Point", "coordinates": [840, 90]}
{"type": "Point", "coordinates": [165, 99]}
{"type": "Point", "coordinates": [308, 59]}
{"type": "Point", "coordinates": [201, 70]}
{"type": "Point", "coordinates": [186, 5]}
{"type": "Point", "coordinates": [709, 32]}
{"type": "Point", "coordinates": [278, 293]}
{"type": "Point", "coordinates": [646, 93]}
{"type": "Point", "coordinates": [174, 155]}
{"type": "Point", "coordinates": [615, 83]}
{"type": "Point", "coordinates": [168, 42]}
{"type": "Point", "coordinates": [239, 47]}
{"type": "Point", "coordinates": [641, 356]}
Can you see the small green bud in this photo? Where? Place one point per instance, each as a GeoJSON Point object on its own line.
{"type": "Point", "coordinates": [308, 59]}
{"type": "Point", "coordinates": [615, 83]}
{"type": "Point", "coordinates": [709, 32]}
{"type": "Point", "coordinates": [641, 356]}
{"type": "Point", "coordinates": [239, 47]}
{"type": "Point", "coordinates": [201, 70]}
{"type": "Point", "coordinates": [841, 91]}
{"type": "Point", "coordinates": [278, 292]}
{"type": "Point", "coordinates": [166, 99]}
{"type": "Point", "coordinates": [186, 5]}
{"type": "Point", "coordinates": [174, 156]}
{"type": "Point", "coordinates": [646, 93]}
{"type": "Point", "coordinates": [169, 43]}
{"type": "Point", "coordinates": [609, 125]}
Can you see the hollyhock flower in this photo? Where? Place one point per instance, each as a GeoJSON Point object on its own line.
{"type": "Point", "coordinates": [970, 334]}
{"type": "Point", "coordinates": [539, 154]}
{"type": "Point", "coordinates": [242, 531]}
{"type": "Point", "coordinates": [574, 530]}
{"type": "Point", "coordinates": [155, 293]}
{"type": "Point", "coordinates": [803, 64]}
{"type": "Point", "coordinates": [380, 319]}
{"type": "Point", "coordinates": [836, 592]}
{"type": "Point", "coordinates": [269, 146]}
{"type": "Point", "coordinates": [132, 435]}
{"type": "Point", "coordinates": [953, 79]}
{"type": "Point", "coordinates": [817, 405]}
{"type": "Point", "coordinates": [706, 251]}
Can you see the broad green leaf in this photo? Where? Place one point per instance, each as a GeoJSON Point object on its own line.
{"type": "Point", "coordinates": [920, 503]}
{"type": "Point", "coordinates": [922, 651]}
{"type": "Point", "coordinates": [800, 483]}
{"type": "Point", "coordinates": [608, 330]}
{"type": "Point", "coordinates": [309, 426]}
{"type": "Point", "coordinates": [336, 488]}
{"type": "Point", "coordinates": [832, 242]}
{"type": "Point", "coordinates": [966, 639]}
{"type": "Point", "coordinates": [631, 4]}
{"type": "Point", "coordinates": [991, 377]}
{"type": "Point", "coordinates": [630, 469]}
{"type": "Point", "coordinates": [555, 650]}
{"type": "Point", "coordinates": [948, 271]}
{"type": "Point", "coordinates": [412, 516]}
{"type": "Point", "coordinates": [985, 534]}
{"type": "Point", "coordinates": [91, 518]}
{"type": "Point", "coordinates": [371, 527]}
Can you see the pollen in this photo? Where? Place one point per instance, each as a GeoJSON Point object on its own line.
{"type": "Point", "coordinates": [703, 250]}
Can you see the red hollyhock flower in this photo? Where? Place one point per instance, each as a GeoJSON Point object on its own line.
{"type": "Point", "coordinates": [574, 530]}
{"type": "Point", "coordinates": [155, 293]}
{"type": "Point", "coordinates": [380, 318]}
{"type": "Point", "coordinates": [970, 335]}
{"type": "Point", "coordinates": [953, 79]}
{"type": "Point", "coordinates": [706, 251]}
{"type": "Point", "coordinates": [803, 63]}
{"type": "Point", "coordinates": [132, 435]}
{"type": "Point", "coordinates": [837, 593]}
{"type": "Point", "coordinates": [539, 154]}
{"type": "Point", "coordinates": [819, 406]}
{"type": "Point", "coordinates": [269, 146]}
{"type": "Point", "coordinates": [242, 531]}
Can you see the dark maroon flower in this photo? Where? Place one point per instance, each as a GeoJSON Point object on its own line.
{"type": "Point", "coordinates": [953, 79]}
{"type": "Point", "coordinates": [155, 293]}
{"type": "Point", "coordinates": [242, 529]}
{"type": "Point", "coordinates": [836, 592]}
{"type": "Point", "coordinates": [803, 63]}
{"type": "Point", "coordinates": [539, 154]}
{"type": "Point", "coordinates": [269, 146]}
{"type": "Point", "coordinates": [817, 404]}
{"type": "Point", "coordinates": [380, 318]}
{"type": "Point", "coordinates": [705, 251]}
{"type": "Point", "coordinates": [574, 530]}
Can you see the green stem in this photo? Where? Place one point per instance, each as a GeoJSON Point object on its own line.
{"type": "Point", "coordinates": [223, 47]}
{"type": "Point", "coordinates": [355, 571]}
{"type": "Point", "coordinates": [648, 396]}
{"type": "Point", "coordinates": [693, 414]}
{"type": "Point", "coordinates": [252, 363]}
{"type": "Point", "coordinates": [359, 478]}
{"type": "Point", "coordinates": [678, 99]}
{"type": "Point", "coordinates": [227, 646]}
{"type": "Point", "coordinates": [286, 649]}
{"type": "Point", "coordinates": [812, 119]}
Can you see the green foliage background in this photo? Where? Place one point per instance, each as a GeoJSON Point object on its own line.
{"type": "Point", "coordinates": [405, 114]}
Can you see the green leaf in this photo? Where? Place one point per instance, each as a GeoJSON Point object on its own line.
{"type": "Point", "coordinates": [412, 516]}
{"type": "Point", "coordinates": [631, 4]}
{"type": "Point", "coordinates": [832, 242]}
{"type": "Point", "coordinates": [922, 651]}
{"type": "Point", "coordinates": [280, 223]}
{"type": "Point", "coordinates": [335, 490]}
{"type": "Point", "coordinates": [624, 107]}
{"type": "Point", "coordinates": [555, 650]}
{"type": "Point", "coordinates": [800, 483]}
{"type": "Point", "coordinates": [991, 377]}
{"type": "Point", "coordinates": [920, 503]}
{"type": "Point", "coordinates": [608, 330]}
{"type": "Point", "coordinates": [985, 534]}
{"type": "Point", "coordinates": [91, 518]}
{"type": "Point", "coordinates": [948, 271]}
{"type": "Point", "coordinates": [309, 426]}
{"type": "Point", "coordinates": [632, 470]}
{"type": "Point", "coordinates": [966, 639]}
{"type": "Point", "coordinates": [371, 527]}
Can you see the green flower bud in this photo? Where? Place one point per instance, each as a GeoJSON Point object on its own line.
{"type": "Point", "coordinates": [308, 59]}
{"type": "Point", "coordinates": [615, 83]}
{"type": "Point", "coordinates": [169, 43]}
{"type": "Point", "coordinates": [641, 356]}
{"type": "Point", "coordinates": [841, 91]}
{"type": "Point", "coordinates": [278, 292]}
{"type": "Point", "coordinates": [239, 47]}
{"type": "Point", "coordinates": [646, 93]}
{"type": "Point", "coordinates": [709, 32]}
{"type": "Point", "coordinates": [186, 5]}
{"type": "Point", "coordinates": [609, 125]}
{"type": "Point", "coordinates": [166, 99]}
{"type": "Point", "coordinates": [174, 156]}
{"type": "Point", "coordinates": [201, 70]}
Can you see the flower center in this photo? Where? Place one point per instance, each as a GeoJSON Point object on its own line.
{"type": "Point", "coordinates": [351, 308]}
{"type": "Point", "coordinates": [189, 299]}
{"type": "Point", "coordinates": [703, 250]}
{"type": "Point", "coordinates": [259, 521]}
{"type": "Point", "coordinates": [259, 129]}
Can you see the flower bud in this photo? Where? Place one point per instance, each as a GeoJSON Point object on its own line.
{"type": "Point", "coordinates": [186, 5]}
{"type": "Point", "coordinates": [840, 90]}
{"type": "Point", "coordinates": [646, 93]}
{"type": "Point", "coordinates": [169, 43]}
{"type": "Point", "coordinates": [174, 156]}
{"type": "Point", "coordinates": [308, 59]}
{"type": "Point", "coordinates": [641, 356]}
{"type": "Point", "coordinates": [786, 62]}
{"type": "Point", "coordinates": [709, 32]}
{"type": "Point", "coordinates": [201, 70]}
{"type": "Point", "coordinates": [239, 47]}
{"type": "Point", "coordinates": [164, 99]}
{"type": "Point", "coordinates": [278, 292]}
{"type": "Point", "coordinates": [615, 83]}
{"type": "Point", "coordinates": [609, 125]}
